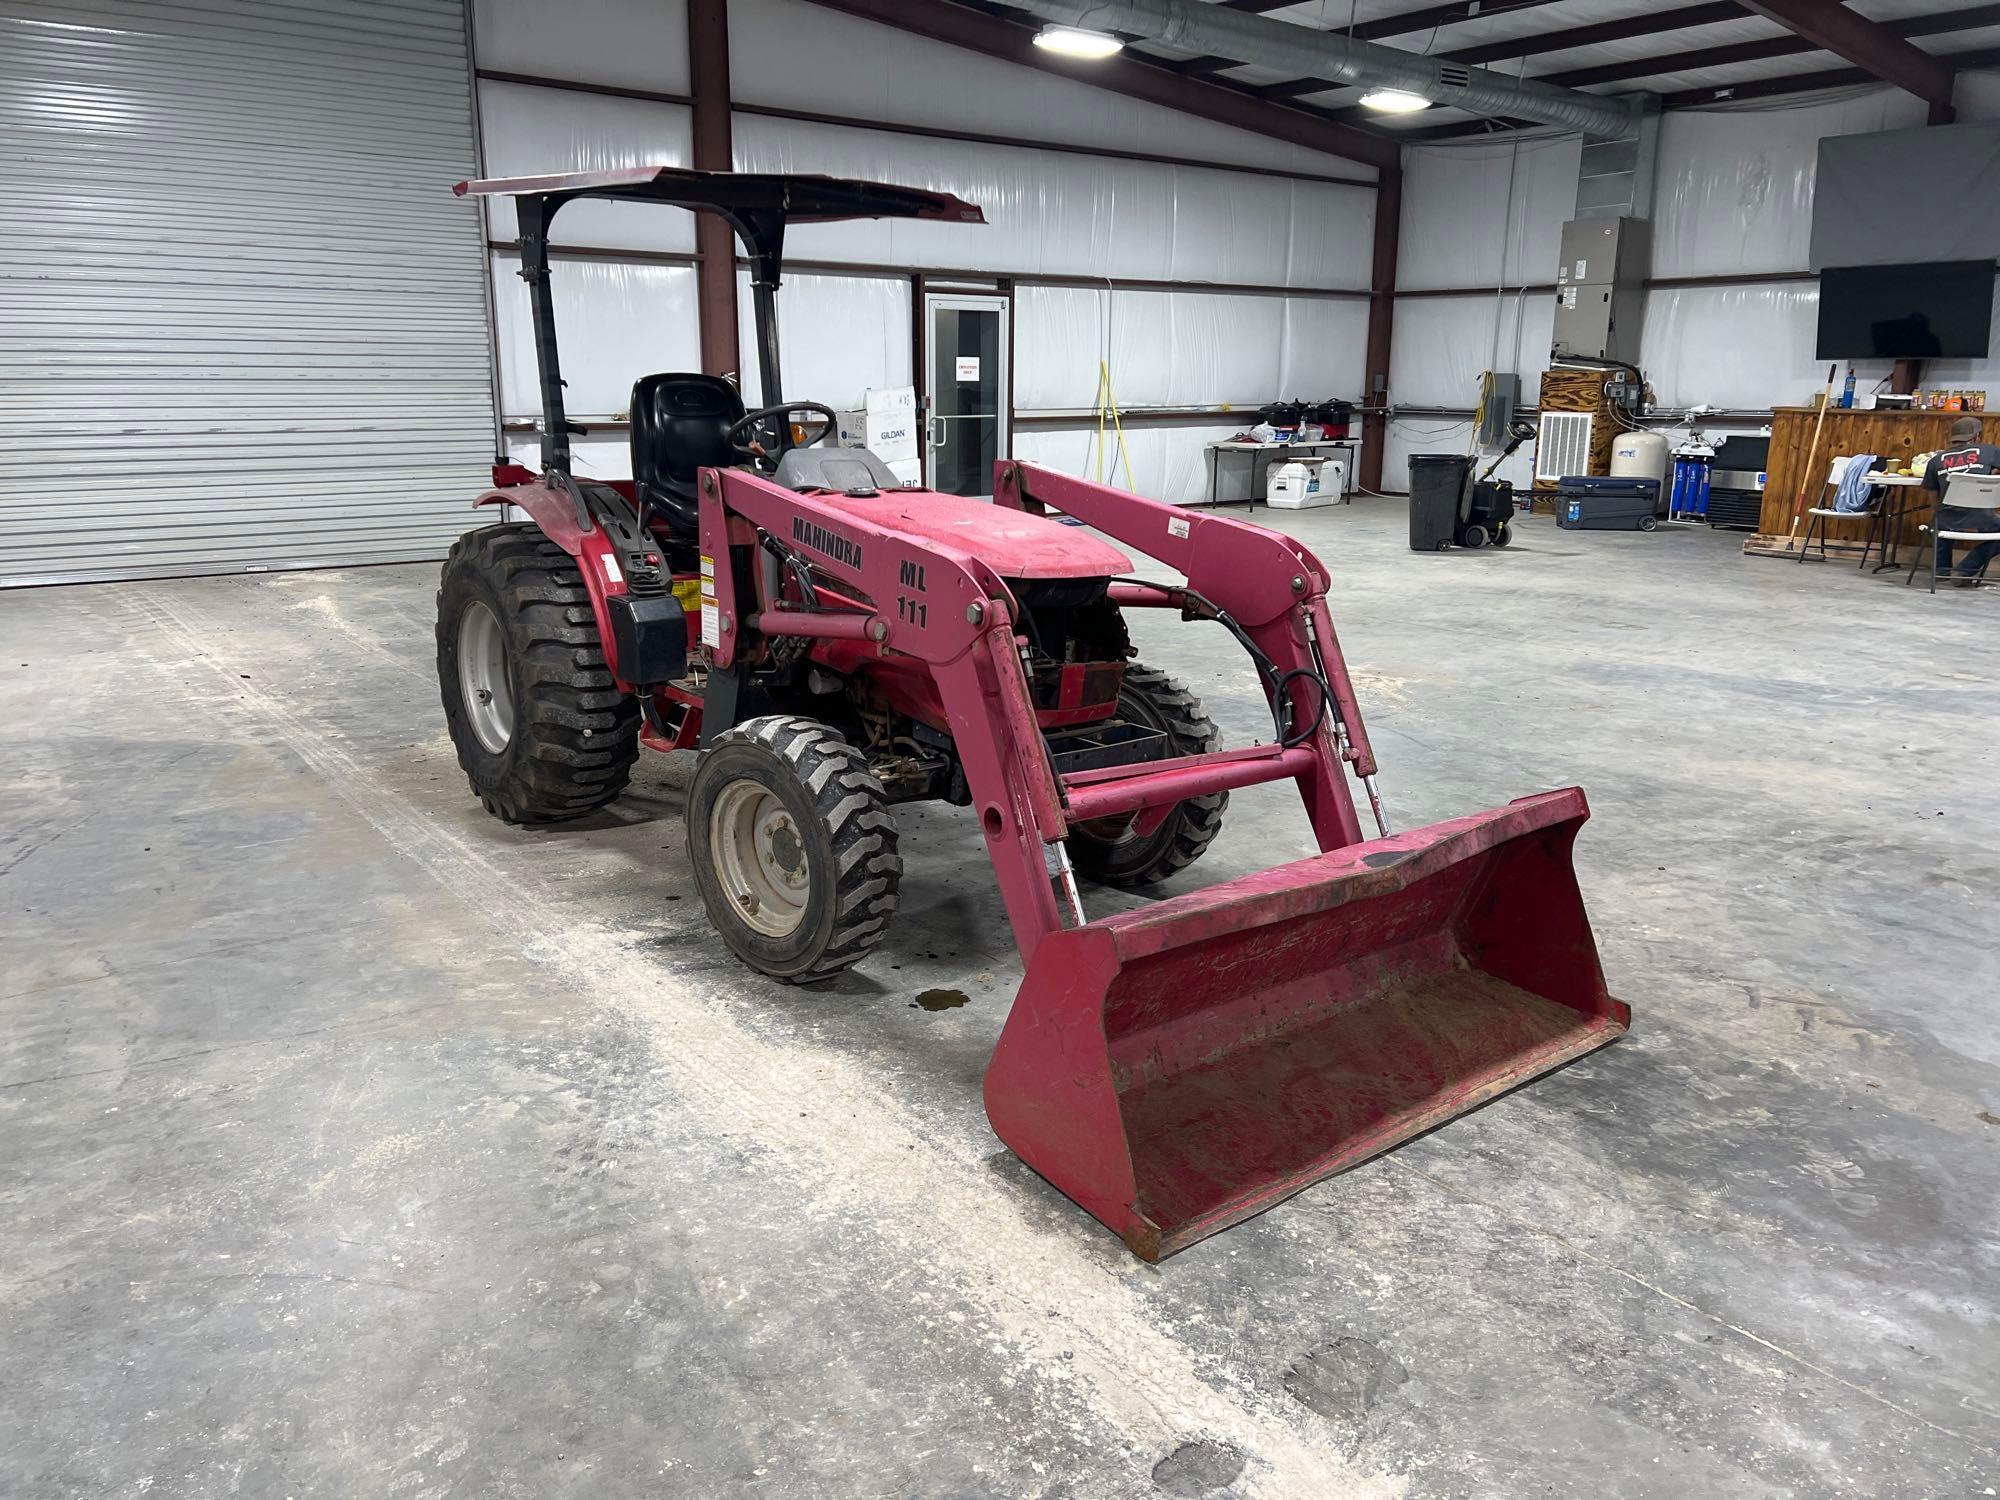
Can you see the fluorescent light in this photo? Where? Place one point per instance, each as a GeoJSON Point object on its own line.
{"type": "Point", "coordinates": [1394, 101]}
{"type": "Point", "coordinates": [1075, 41]}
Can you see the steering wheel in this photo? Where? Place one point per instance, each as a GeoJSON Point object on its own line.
{"type": "Point", "coordinates": [746, 436]}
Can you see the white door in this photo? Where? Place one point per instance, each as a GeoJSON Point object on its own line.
{"type": "Point", "coordinates": [966, 390]}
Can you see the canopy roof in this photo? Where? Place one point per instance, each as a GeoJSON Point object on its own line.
{"type": "Point", "coordinates": [802, 198]}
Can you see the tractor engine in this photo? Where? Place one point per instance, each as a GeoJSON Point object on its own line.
{"type": "Point", "coordinates": [1075, 649]}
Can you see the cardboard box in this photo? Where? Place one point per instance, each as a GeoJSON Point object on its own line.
{"type": "Point", "coordinates": [887, 428]}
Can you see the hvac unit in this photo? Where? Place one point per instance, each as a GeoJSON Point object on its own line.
{"type": "Point", "coordinates": [1562, 446]}
{"type": "Point", "coordinates": [1600, 288]}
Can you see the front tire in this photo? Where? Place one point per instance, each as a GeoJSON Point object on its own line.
{"type": "Point", "coordinates": [1107, 850]}
{"type": "Point", "coordinates": [794, 850]}
{"type": "Point", "coordinates": [542, 732]}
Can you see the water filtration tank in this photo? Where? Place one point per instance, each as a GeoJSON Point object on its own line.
{"type": "Point", "coordinates": [1640, 455]}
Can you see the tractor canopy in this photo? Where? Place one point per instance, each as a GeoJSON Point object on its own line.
{"type": "Point", "coordinates": [797, 197]}
{"type": "Point", "coordinates": [757, 205]}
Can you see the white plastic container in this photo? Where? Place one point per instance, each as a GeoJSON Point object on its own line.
{"type": "Point", "coordinates": [1303, 484]}
{"type": "Point", "coordinates": [1640, 455]}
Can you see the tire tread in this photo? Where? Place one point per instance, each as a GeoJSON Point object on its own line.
{"type": "Point", "coordinates": [577, 735]}
{"type": "Point", "coordinates": [849, 801]}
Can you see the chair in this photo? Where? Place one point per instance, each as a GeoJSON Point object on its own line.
{"type": "Point", "coordinates": [1892, 506]}
{"type": "Point", "coordinates": [1824, 515]}
{"type": "Point", "coordinates": [680, 425]}
{"type": "Point", "coordinates": [1968, 492]}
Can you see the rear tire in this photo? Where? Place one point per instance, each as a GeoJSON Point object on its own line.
{"type": "Point", "coordinates": [541, 730]}
{"type": "Point", "coordinates": [1106, 850]}
{"type": "Point", "coordinates": [1473, 537]}
{"type": "Point", "coordinates": [1502, 535]}
{"type": "Point", "coordinates": [794, 849]}
{"type": "Point", "coordinates": [1647, 523]}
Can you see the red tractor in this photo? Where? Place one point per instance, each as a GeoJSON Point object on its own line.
{"type": "Point", "coordinates": [831, 642]}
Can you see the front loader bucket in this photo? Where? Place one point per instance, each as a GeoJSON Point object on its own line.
{"type": "Point", "coordinates": [1184, 1066]}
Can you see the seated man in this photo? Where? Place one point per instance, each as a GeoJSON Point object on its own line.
{"type": "Point", "coordinates": [1966, 454]}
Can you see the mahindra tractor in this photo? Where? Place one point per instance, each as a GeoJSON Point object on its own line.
{"type": "Point", "coordinates": [829, 642]}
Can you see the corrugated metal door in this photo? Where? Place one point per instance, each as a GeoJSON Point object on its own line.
{"type": "Point", "coordinates": [242, 318]}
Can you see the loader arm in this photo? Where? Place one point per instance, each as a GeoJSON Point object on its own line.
{"type": "Point", "coordinates": [946, 607]}
{"type": "Point", "coordinates": [1269, 583]}
{"type": "Point", "coordinates": [935, 603]}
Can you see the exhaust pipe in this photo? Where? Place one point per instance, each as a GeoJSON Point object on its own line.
{"type": "Point", "coordinates": [1221, 31]}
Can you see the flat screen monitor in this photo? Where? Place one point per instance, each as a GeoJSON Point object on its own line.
{"type": "Point", "coordinates": [1940, 310]}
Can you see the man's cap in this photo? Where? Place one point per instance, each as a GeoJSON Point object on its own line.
{"type": "Point", "coordinates": [1965, 430]}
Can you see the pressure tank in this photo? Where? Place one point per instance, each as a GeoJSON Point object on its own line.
{"type": "Point", "coordinates": [1640, 455]}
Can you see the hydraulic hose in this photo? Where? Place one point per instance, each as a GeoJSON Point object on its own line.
{"type": "Point", "coordinates": [1196, 607]}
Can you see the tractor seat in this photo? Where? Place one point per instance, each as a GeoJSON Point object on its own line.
{"type": "Point", "coordinates": [680, 425]}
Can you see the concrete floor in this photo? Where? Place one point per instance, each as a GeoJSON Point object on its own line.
{"type": "Point", "coordinates": [352, 1143]}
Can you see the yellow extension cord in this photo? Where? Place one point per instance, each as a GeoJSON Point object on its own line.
{"type": "Point", "coordinates": [1107, 404]}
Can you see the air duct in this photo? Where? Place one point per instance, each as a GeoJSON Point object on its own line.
{"type": "Point", "coordinates": [1220, 31]}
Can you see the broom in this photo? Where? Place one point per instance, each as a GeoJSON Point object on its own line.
{"type": "Point", "coordinates": [1812, 452]}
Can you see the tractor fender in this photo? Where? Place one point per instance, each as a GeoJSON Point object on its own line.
{"type": "Point", "coordinates": [548, 507]}
{"type": "Point", "coordinates": [555, 517]}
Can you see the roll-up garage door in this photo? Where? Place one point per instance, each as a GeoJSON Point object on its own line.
{"type": "Point", "coordinates": [242, 317]}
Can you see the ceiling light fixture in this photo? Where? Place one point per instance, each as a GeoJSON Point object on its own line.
{"type": "Point", "coordinates": [1394, 101]}
{"type": "Point", "coordinates": [1077, 41]}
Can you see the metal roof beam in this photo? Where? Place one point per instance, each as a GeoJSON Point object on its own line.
{"type": "Point", "coordinates": [1281, 47]}
{"type": "Point", "coordinates": [1433, 16]}
{"type": "Point", "coordinates": [1682, 62]}
{"type": "Point", "coordinates": [1728, 93]}
{"type": "Point", "coordinates": [1648, 23]}
{"type": "Point", "coordinates": [1789, 45]}
{"type": "Point", "coordinates": [1832, 27]}
{"type": "Point", "coordinates": [1805, 83]}
{"type": "Point", "coordinates": [1426, 19]}
{"type": "Point", "coordinates": [1537, 43]}
{"type": "Point", "coordinates": [1128, 75]}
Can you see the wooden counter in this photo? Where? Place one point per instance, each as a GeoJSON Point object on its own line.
{"type": "Point", "coordinates": [1896, 435]}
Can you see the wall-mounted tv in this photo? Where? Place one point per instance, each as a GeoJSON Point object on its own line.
{"type": "Point", "coordinates": [1942, 310]}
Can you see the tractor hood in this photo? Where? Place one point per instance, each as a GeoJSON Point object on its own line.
{"type": "Point", "coordinates": [1012, 543]}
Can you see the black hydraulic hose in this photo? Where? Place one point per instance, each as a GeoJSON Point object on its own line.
{"type": "Point", "coordinates": [1299, 737]}
{"type": "Point", "coordinates": [1277, 682]}
{"type": "Point", "coordinates": [800, 569]}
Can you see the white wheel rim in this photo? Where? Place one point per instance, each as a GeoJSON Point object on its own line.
{"type": "Point", "coordinates": [760, 858]}
{"type": "Point", "coordinates": [483, 686]}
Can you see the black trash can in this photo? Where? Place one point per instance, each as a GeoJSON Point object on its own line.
{"type": "Point", "coordinates": [1437, 490]}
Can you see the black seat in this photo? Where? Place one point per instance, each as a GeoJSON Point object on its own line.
{"type": "Point", "coordinates": [680, 424]}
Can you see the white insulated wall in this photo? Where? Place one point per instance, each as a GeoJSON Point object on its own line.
{"type": "Point", "coordinates": [1050, 213]}
{"type": "Point", "coordinates": [1733, 197]}
{"type": "Point", "coordinates": [1474, 215]}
